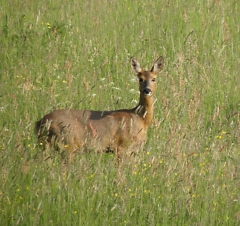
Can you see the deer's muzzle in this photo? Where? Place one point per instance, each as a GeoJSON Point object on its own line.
{"type": "Point", "coordinates": [147, 91]}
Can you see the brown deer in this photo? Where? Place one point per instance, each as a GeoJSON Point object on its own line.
{"type": "Point", "coordinates": [121, 131]}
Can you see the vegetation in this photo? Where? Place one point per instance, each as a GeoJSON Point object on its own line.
{"type": "Point", "coordinates": [75, 54]}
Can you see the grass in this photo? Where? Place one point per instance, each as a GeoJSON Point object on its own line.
{"type": "Point", "coordinates": [59, 54]}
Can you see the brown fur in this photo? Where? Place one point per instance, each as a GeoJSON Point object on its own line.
{"type": "Point", "coordinates": [121, 131]}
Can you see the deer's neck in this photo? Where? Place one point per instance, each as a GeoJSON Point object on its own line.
{"type": "Point", "coordinates": [145, 109]}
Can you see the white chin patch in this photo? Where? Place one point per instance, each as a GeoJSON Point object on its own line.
{"type": "Point", "coordinates": [147, 94]}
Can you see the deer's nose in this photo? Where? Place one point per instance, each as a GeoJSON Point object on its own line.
{"type": "Point", "coordinates": [147, 91]}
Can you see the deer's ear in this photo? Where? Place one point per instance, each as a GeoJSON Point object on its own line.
{"type": "Point", "coordinates": [158, 65]}
{"type": "Point", "coordinates": [135, 66]}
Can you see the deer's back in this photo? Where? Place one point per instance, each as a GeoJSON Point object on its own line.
{"type": "Point", "coordinates": [94, 129]}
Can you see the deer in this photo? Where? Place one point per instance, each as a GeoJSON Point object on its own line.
{"type": "Point", "coordinates": [121, 131]}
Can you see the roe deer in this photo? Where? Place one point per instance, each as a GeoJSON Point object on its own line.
{"type": "Point", "coordinates": [121, 131]}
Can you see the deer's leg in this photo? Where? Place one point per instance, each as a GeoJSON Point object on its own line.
{"type": "Point", "coordinates": [119, 156]}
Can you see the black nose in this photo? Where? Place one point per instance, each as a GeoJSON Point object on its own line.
{"type": "Point", "coordinates": [147, 91]}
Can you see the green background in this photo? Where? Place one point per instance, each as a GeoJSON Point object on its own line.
{"type": "Point", "coordinates": [75, 54]}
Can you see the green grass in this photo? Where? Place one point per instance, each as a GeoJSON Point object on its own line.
{"type": "Point", "coordinates": [75, 54]}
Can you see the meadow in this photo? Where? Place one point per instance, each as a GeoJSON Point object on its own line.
{"type": "Point", "coordinates": [76, 54]}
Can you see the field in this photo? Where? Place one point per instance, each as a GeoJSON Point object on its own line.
{"type": "Point", "coordinates": [75, 54]}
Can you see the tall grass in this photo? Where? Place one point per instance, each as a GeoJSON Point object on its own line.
{"type": "Point", "coordinates": [61, 54]}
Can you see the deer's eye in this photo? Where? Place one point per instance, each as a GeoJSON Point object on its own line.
{"type": "Point", "coordinates": [140, 80]}
{"type": "Point", "coordinates": [153, 80]}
